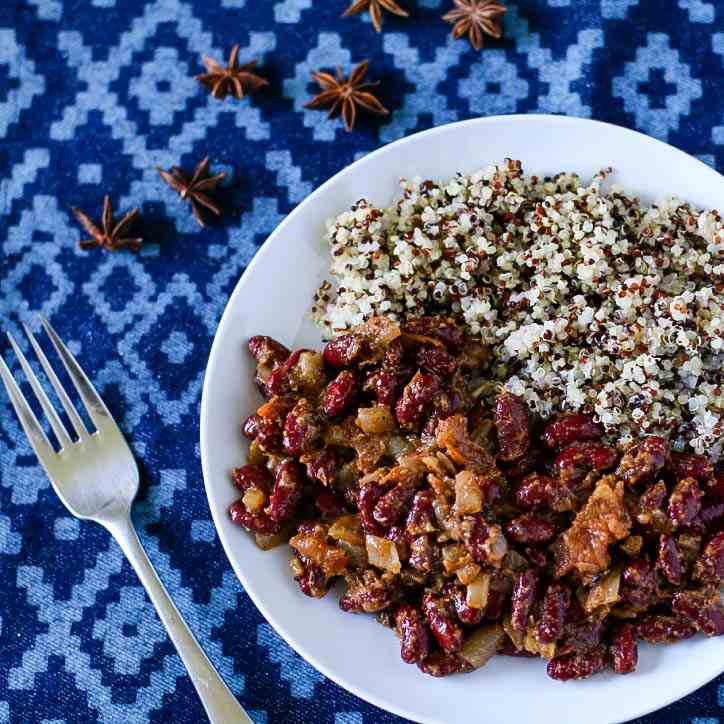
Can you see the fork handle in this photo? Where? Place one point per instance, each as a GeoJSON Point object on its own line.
{"type": "Point", "coordinates": [220, 704]}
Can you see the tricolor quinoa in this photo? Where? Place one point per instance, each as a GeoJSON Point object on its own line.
{"type": "Point", "coordinates": [589, 299]}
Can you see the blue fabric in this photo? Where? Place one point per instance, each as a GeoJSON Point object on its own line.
{"type": "Point", "coordinates": [93, 95]}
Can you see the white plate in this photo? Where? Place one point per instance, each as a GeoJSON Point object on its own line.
{"type": "Point", "coordinates": [272, 298]}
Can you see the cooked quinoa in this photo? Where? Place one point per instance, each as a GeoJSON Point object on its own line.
{"type": "Point", "coordinates": [589, 299]}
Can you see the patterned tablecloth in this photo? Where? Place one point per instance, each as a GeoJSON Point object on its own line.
{"type": "Point", "coordinates": [93, 95]}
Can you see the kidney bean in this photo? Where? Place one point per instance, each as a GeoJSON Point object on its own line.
{"type": "Point", "coordinates": [340, 394]}
{"type": "Point", "coordinates": [252, 476]}
{"type": "Point", "coordinates": [311, 578]}
{"type": "Point", "coordinates": [440, 663]}
{"type": "Point", "coordinates": [536, 556]}
{"type": "Point", "coordinates": [385, 386]}
{"type": "Point", "coordinates": [657, 629]}
{"type": "Point", "coordinates": [576, 666]}
{"type": "Point", "coordinates": [525, 588]}
{"type": "Point", "coordinates": [390, 508]}
{"type": "Point", "coordinates": [519, 468]}
{"type": "Point", "coordinates": [624, 649]}
{"type": "Point", "coordinates": [581, 637]}
{"type": "Point", "coordinates": [581, 458]}
{"type": "Point", "coordinates": [267, 351]}
{"type": "Point", "coordinates": [690, 465]}
{"type": "Point", "coordinates": [702, 608]}
{"type": "Point", "coordinates": [653, 497]}
{"type": "Point", "coordinates": [343, 350]}
{"type": "Point", "coordinates": [250, 426]}
{"type": "Point", "coordinates": [534, 491]}
{"type": "Point", "coordinates": [421, 518]}
{"type": "Point", "coordinates": [570, 428]}
{"type": "Point", "coordinates": [498, 595]}
{"type": "Point", "coordinates": [443, 329]}
{"type": "Point", "coordinates": [710, 565]}
{"type": "Point", "coordinates": [367, 498]}
{"type": "Point", "coordinates": [436, 360]}
{"type": "Point", "coordinates": [366, 594]}
{"type": "Point", "coordinates": [414, 638]}
{"type": "Point", "coordinates": [440, 618]}
{"type": "Point", "coordinates": [423, 554]}
{"type": "Point", "coordinates": [466, 614]}
{"type": "Point", "coordinates": [556, 601]}
{"type": "Point", "coordinates": [643, 461]}
{"type": "Point", "coordinates": [321, 465]}
{"type": "Point", "coordinates": [287, 492]}
{"type": "Point", "coordinates": [279, 381]}
{"type": "Point", "coordinates": [416, 399]}
{"type": "Point", "coordinates": [511, 424]}
{"type": "Point", "coordinates": [669, 561]}
{"type": "Point", "coordinates": [528, 528]}
{"type": "Point", "coordinates": [639, 584]}
{"type": "Point", "coordinates": [258, 522]}
{"type": "Point", "coordinates": [485, 542]}
{"type": "Point", "coordinates": [685, 502]}
{"type": "Point", "coordinates": [302, 429]}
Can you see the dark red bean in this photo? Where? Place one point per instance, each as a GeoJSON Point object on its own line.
{"type": "Point", "coordinates": [710, 565]}
{"type": "Point", "coordinates": [528, 528]}
{"type": "Point", "coordinates": [440, 663]}
{"type": "Point", "coordinates": [568, 429]}
{"type": "Point", "coordinates": [525, 589]}
{"type": "Point", "coordinates": [416, 400]}
{"type": "Point", "coordinates": [366, 594]}
{"type": "Point", "coordinates": [439, 328]}
{"type": "Point", "coordinates": [258, 522]}
{"type": "Point", "coordinates": [534, 491]}
{"type": "Point", "coordinates": [484, 541]}
{"type": "Point", "coordinates": [576, 666]}
{"type": "Point", "coordinates": [511, 424]}
{"type": "Point", "coordinates": [394, 504]}
{"type": "Point", "coordinates": [340, 394]}
{"type": "Point", "coordinates": [653, 497]}
{"type": "Point", "coordinates": [685, 502]}
{"type": "Point", "coordinates": [498, 595]}
{"type": "Point", "coordinates": [421, 518]}
{"type": "Point", "coordinates": [423, 554]}
{"type": "Point", "coordinates": [287, 492]}
{"type": "Point", "coordinates": [624, 649]}
{"type": "Point", "coordinates": [252, 476]}
{"type": "Point", "coordinates": [267, 351]}
{"type": "Point", "coordinates": [639, 585]}
{"type": "Point", "coordinates": [702, 608]}
{"type": "Point", "coordinates": [385, 386]}
{"type": "Point", "coordinates": [643, 461]}
{"type": "Point", "coordinates": [367, 498]}
{"type": "Point", "coordinates": [302, 429]}
{"type": "Point", "coordinates": [582, 637]}
{"type": "Point", "coordinates": [322, 466]}
{"type": "Point", "coordinates": [466, 614]}
{"type": "Point", "coordinates": [343, 350]}
{"type": "Point", "coordinates": [414, 638]}
{"type": "Point", "coordinates": [556, 601]}
{"type": "Point", "coordinates": [657, 629]}
{"type": "Point", "coordinates": [669, 560]}
{"type": "Point", "coordinates": [250, 427]}
{"type": "Point", "coordinates": [329, 504]}
{"type": "Point", "coordinates": [536, 556]}
{"type": "Point", "coordinates": [690, 465]}
{"type": "Point", "coordinates": [312, 581]}
{"type": "Point", "coordinates": [440, 618]}
{"type": "Point", "coordinates": [437, 361]}
{"type": "Point", "coordinates": [581, 458]}
{"type": "Point", "coordinates": [524, 465]}
{"type": "Point", "coordinates": [279, 382]}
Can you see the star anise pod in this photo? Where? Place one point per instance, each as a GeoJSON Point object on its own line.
{"type": "Point", "coordinates": [234, 80]}
{"type": "Point", "coordinates": [375, 8]}
{"type": "Point", "coordinates": [476, 18]}
{"type": "Point", "coordinates": [107, 235]}
{"type": "Point", "coordinates": [345, 94]}
{"type": "Point", "coordinates": [194, 189]}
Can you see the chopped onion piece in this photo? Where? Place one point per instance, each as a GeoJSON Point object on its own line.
{"type": "Point", "coordinates": [604, 592]}
{"type": "Point", "coordinates": [347, 528]}
{"type": "Point", "coordinates": [382, 553]}
{"type": "Point", "coordinates": [477, 591]}
{"type": "Point", "coordinates": [482, 645]}
{"type": "Point", "coordinates": [375, 420]}
{"type": "Point", "coordinates": [468, 493]}
{"type": "Point", "coordinates": [254, 499]}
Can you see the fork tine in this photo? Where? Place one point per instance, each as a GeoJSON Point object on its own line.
{"type": "Point", "coordinates": [73, 416]}
{"type": "Point", "coordinates": [36, 435]}
{"type": "Point", "coordinates": [97, 409]}
{"type": "Point", "coordinates": [58, 428]}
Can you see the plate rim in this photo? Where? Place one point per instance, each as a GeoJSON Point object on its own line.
{"type": "Point", "coordinates": [224, 320]}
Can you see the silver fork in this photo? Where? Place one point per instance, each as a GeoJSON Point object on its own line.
{"type": "Point", "coordinates": [96, 477]}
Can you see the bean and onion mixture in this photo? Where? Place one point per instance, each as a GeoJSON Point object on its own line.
{"type": "Point", "coordinates": [473, 527]}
